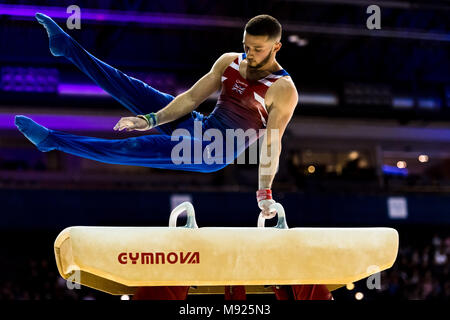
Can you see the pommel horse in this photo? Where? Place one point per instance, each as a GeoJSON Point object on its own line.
{"type": "Point", "coordinates": [120, 260]}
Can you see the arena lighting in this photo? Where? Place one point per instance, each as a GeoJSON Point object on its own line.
{"type": "Point", "coordinates": [311, 169]}
{"type": "Point", "coordinates": [28, 11]}
{"type": "Point", "coordinates": [72, 89]}
{"type": "Point", "coordinates": [423, 158]}
{"type": "Point", "coordinates": [363, 94]}
{"type": "Point", "coordinates": [63, 122]}
{"type": "Point", "coordinates": [32, 79]}
{"type": "Point", "coordinates": [401, 164]}
{"type": "Point", "coordinates": [329, 99]}
{"type": "Point", "coordinates": [429, 103]}
{"type": "Point", "coordinates": [353, 155]}
{"type": "Point", "coordinates": [384, 4]}
{"type": "Point", "coordinates": [403, 102]}
{"type": "Point", "coordinates": [391, 170]}
{"type": "Point", "coordinates": [28, 79]}
{"type": "Point", "coordinates": [19, 83]}
{"type": "Point", "coordinates": [301, 42]}
{"type": "Point", "coordinates": [293, 38]}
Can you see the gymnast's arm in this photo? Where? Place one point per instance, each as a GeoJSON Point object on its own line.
{"type": "Point", "coordinates": [284, 99]}
{"type": "Point", "coordinates": [200, 91]}
{"type": "Point", "coordinates": [183, 103]}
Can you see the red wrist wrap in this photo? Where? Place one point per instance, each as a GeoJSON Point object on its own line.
{"type": "Point", "coordinates": [264, 194]}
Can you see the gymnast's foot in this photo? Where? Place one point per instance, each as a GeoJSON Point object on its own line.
{"type": "Point", "coordinates": [58, 38]}
{"type": "Point", "coordinates": [34, 132]}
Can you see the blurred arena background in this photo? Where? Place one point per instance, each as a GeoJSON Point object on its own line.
{"type": "Point", "coordinates": [369, 144]}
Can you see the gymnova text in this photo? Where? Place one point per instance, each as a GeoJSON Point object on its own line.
{"type": "Point", "coordinates": [159, 257]}
{"type": "Point", "coordinates": [211, 147]}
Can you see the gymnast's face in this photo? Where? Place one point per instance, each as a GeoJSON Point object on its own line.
{"type": "Point", "coordinates": [260, 50]}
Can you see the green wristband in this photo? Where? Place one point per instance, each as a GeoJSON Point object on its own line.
{"type": "Point", "coordinates": [151, 118]}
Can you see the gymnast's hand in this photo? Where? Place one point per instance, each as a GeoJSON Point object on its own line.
{"type": "Point", "coordinates": [264, 198]}
{"type": "Point", "coordinates": [131, 123]}
{"type": "Point", "coordinates": [264, 205]}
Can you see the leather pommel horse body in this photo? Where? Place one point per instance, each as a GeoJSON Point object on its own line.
{"type": "Point", "coordinates": [118, 260]}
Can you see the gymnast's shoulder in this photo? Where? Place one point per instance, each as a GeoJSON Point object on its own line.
{"type": "Point", "coordinates": [224, 61]}
{"type": "Point", "coordinates": [227, 58]}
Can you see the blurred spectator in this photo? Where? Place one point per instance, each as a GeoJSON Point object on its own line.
{"type": "Point", "coordinates": [436, 240]}
{"type": "Point", "coordinates": [440, 256]}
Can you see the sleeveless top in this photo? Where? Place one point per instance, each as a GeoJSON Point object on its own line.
{"type": "Point", "coordinates": [241, 102]}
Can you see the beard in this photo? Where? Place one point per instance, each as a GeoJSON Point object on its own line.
{"type": "Point", "coordinates": [262, 63]}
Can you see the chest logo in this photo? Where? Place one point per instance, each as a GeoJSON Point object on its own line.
{"type": "Point", "coordinates": [239, 87]}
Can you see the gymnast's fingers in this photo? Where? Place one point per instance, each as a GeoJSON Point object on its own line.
{"type": "Point", "coordinates": [118, 125]}
{"type": "Point", "coordinates": [268, 214]}
{"type": "Point", "coordinates": [124, 124]}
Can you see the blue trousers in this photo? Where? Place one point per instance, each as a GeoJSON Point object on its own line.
{"type": "Point", "coordinates": [153, 150]}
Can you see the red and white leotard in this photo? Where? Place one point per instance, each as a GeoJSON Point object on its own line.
{"type": "Point", "coordinates": [241, 101]}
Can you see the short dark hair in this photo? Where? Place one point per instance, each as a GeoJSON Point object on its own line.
{"type": "Point", "coordinates": [264, 25]}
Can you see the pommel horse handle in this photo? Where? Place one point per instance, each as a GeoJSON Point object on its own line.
{"type": "Point", "coordinates": [185, 206]}
{"type": "Point", "coordinates": [281, 224]}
